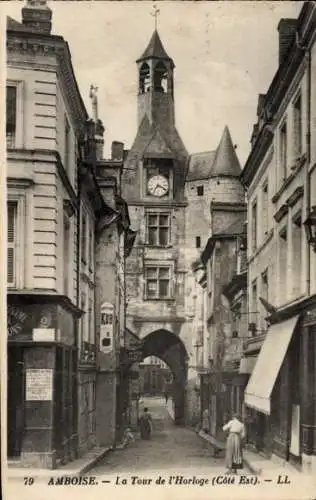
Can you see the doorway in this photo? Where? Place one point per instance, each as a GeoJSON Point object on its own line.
{"type": "Point", "coordinates": [15, 400]}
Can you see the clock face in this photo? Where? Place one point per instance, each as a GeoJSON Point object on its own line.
{"type": "Point", "coordinates": [158, 185]}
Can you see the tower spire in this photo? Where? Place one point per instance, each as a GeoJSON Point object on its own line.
{"type": "Point", "coordinates": [155, 14]}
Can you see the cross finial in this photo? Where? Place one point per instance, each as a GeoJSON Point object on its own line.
{"type": "Point", "coordinates": [155, 14]}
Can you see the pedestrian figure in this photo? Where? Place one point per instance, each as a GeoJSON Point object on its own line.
{"type": "Point", "coordinates": [145, 424]}
{"type": "Point", "coordinates": [166, 397]}
{"type": "Point", "coordinates": [234, 456]}
{"type": "Point", "coordinates": [128, 438]}
{"type": "Point", "coordinates": [206, 421]}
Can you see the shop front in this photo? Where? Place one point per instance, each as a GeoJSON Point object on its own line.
{"type": "Point", "coordinates": [42, 381]}
{"type": "Point", "coordinates": [281, 396]}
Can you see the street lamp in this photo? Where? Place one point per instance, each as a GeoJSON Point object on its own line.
{"type": "Point", "coordinates": [310, 228]}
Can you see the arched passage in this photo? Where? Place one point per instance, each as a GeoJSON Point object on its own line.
{"type": "Point", "coordinates": [170, 348]}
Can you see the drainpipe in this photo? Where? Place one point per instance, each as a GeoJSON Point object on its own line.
{"type": "Point", "coordinates": [308, 160]}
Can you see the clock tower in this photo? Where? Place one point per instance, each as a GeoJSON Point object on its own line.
{"type": "Point", "coordinates": [155, 84]}
{"type": "Point", "coordinates": [153, 184]}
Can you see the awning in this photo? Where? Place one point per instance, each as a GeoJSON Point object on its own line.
{"type": "Point", "coordinates": [267, 367]}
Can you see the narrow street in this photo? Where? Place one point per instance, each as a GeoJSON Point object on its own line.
{"type": "Point", "coordinates": [170, 448]}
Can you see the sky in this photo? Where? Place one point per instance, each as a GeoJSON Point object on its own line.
{"type": "Point", "coordinates": [225, 54]}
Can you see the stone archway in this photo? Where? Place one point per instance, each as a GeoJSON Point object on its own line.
{"type": "Point", "coordinates": [170, 348]}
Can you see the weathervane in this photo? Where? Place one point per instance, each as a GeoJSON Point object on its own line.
{"type": "Point", "coordinates": [155, 14]}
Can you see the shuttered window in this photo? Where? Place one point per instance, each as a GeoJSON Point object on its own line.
{"type": "Point", "coordinates": [66, 260]}
{"type": "Point", "coordinates": [12, 223]}
{"type": "Point", "coordinates": [11, 115]}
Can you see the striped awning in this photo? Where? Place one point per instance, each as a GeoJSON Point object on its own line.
{"type": "Point", "coordinates": [273, 351]}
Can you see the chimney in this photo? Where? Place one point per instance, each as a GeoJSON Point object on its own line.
{"type": "Point", "coordinates": [117, 152]}
{"type": "Point", "coordinates": [99, 139]}
{"type": "Point", "coordinates": [37, 16]}
{"type": "Point", "coordinates": [287, 31]}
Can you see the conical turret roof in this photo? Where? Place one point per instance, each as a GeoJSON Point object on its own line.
{"type": "Point", "coordinates": [155, 49]}
{"type": "Point", "coordinates": [226, 161]}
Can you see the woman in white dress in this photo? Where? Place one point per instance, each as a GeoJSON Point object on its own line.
{"type": "Point", "coordinates": [236, 429]}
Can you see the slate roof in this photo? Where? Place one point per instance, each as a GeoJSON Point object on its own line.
{"type": "Point", "coordinates": [200, 165]}
{"type": "Point", "coordinates": [226, 162]}
{"type": "Point", "coordinates": [237, 227]}
{"type": "Point", "coordinates": [155, 49]}
{"type": "Point", "coordinates": [12, 24]}
{"type": "Point", "coordinates": [221, 162]}
{"type": "Point", "coordinates": [158, 145]}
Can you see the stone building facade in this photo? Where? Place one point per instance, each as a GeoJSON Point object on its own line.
{"type": "Point", "coordinates": [57, 212]}
{"type": "Point", "coordinates": [280, 178]}
{"type": "Point", "coordinates": [45, 121]}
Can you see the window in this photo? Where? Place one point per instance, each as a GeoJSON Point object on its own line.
{"type": "Point", "coordinates": [264, 285]}
{"type": "Point", "coordinates": [158, 229]}
{"type": "Point", "coordinates": [91, 247]}
{"type": "Point", "coordinates": [254, 303]}
{"type": "Point", "coordinates": [297, 127]}
{"type": "Point", "coordinates": [11, 105]}
{"type": "Point", "coordinates": [296, 274]}
{"type": "Point", "coordinates": [265, 210]}
{"type": "Point", "coordinates": [264, 291]}
{"type": "Point", "coordinates": [158, 282]}
{"type": "Point", "coordinates": [160, 78]}
{"type": "Point", "coordinates": [200, 190]}
{"type": "Point", "coordinates": [282, 281]}
{"type": "Point", "coordinates": [12, 243]}
{"type": "Point", "coordinates": [84, 238]}
{"type": "Point", "coordinates": [254, 226]}
{"type": "Point", "coordinates": [144, 78]}
{"type": "Point", "coordinates": [83, 318]}
{"type": "Point", "coordinates": [198, 241]}
{"type": "Point", "coordinates": [283, 151]}
{"type": "Point", "coordinates": [91, 322]}
{"type": "Point", "coordinates": [67, 144]}
{"type": "Point", "coordinates": [66, 254]}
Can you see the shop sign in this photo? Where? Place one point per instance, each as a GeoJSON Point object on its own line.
{"type": "Point", "coordinates": [134, 355]}
{"type": "Point", "coordinates": [16, 321]}
{"type": "Point", "coordinates": [39, 385]}
{"type": "Point", "coordinates": [107, 317]}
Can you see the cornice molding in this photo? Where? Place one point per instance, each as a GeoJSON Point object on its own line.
{"type": "Point", "coordinates": [257, 154]}
{"type": "Point", "coordinates": [31, 43]}
{"type": "Point", "coordinates": [283, 210]}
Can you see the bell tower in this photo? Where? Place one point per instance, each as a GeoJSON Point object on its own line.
{"type": "Point", "coordinates": [155, 87]}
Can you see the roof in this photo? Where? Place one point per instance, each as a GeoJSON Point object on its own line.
{"type": "Point", "coordinates": [157, 145]}
{"type": "Point", "coordinates": [226, 162]}
{"type": "Point", "coordinates": [155, 49]}
{"type": "Point", "coordinates": [12, 24]}
{"type": "Point", "coordinates": [221, 162]}
{"type": "Point", "coordinates": [237, 227]}
{"type": "Point", "coordinates": [200, 165]}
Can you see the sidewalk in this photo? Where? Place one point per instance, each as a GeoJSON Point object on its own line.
{"type": "Point", "coordinates": [77, 467]}
{"type": "Point", "coordinates": [256, 463]}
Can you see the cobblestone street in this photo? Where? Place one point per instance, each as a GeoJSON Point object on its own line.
{"type": "Point", "coordinates": [172, 448]}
